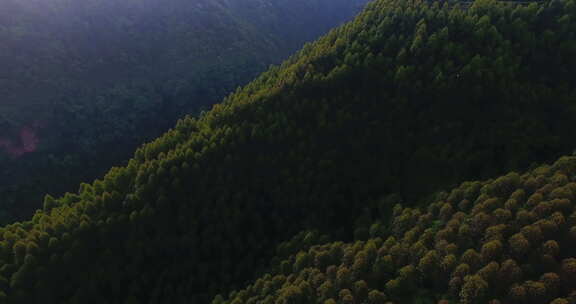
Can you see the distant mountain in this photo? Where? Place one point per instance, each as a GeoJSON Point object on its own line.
{"type": "Point", "coordinates": [53, 49]}
{"type": "Point", "coordinates": [91, 80]}
{"type": "Point", "coordinates": [410, 98]}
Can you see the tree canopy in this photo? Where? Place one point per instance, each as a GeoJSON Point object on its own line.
{"type": "Point", "coordinates": [350, 141]}
{"type": "Point", "coordinates": [92, 80]}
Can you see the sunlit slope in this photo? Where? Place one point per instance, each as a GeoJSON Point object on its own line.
{"type": "Point", "coordinates": [406, 98]}
{"type": "Point", "coordinates": [505, 240]}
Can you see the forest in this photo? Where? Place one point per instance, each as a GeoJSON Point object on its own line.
{"type": "Point", "coordinates": [84, 83]}
{"type": "Point", "coordinates": [419, 153]}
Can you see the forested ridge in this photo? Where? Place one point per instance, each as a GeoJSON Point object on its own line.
{"type": "Point", "coordinates": [409, 98]}
{"type": "Point", "coordinates": [92, 80]}
{"type": "Point", "coordinates": [505, 240]}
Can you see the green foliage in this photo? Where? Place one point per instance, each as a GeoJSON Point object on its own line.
{"type": "Point", "coordinates": [495, 278]}
{"type": "Point", "coordinates": [409, 97]}
{"type": "Point", "coordinates": [96, 79]}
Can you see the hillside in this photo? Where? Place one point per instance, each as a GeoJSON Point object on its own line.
{"type": "Point", "coordinates": [409, 98]}
{"type": "Point", "coordinates": [92, 80]}
{"type": "Point", "coordinates": [55, 50]}
{"type": "Point", "coordinates": [505, 240]}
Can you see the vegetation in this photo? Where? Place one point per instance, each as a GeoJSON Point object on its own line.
{"type": "Point", "coordinates": [408, 98]}
{"type": "Point", "coordinates": [506, 240]}
{"type": "Point", "coordinates": [95, 79]}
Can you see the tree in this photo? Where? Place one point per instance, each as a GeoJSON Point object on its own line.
{"type": "Point", "coordinates": [535, 291]}
{"type": "Point", "coordinates": [491, 251]}
{"type": "Point", "coordinates": [569, 270]}
{"type": "Point", "coordinates": [510, 273]}
{"type": "Point", "coordinates": [517, 293]}
{"type": "Point", "coordinates": [471, 258]}
{"type": "Point", "coordinates": [474, 290]}
{"type": "Point", "coordinates": [519, 245]}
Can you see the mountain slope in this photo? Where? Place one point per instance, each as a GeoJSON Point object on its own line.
{"type": "Point", "coordinates": [55, 49]}
{"type": "Point", "coordinates": [92, 80]}
{"type": "Point", "coordinates": [505, 240]}
{"type": "Point", "coordinates": [406, 98]}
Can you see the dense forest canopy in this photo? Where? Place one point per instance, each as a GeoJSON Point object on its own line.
{"type": "Point", "coordinates": [57, 47]}
{"type": "Point", "coordinates": [83, 83]}
{"type": "Point", "coordinates": [505, 240]}
{"type": "Point", "coordinates": [321, 180]}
